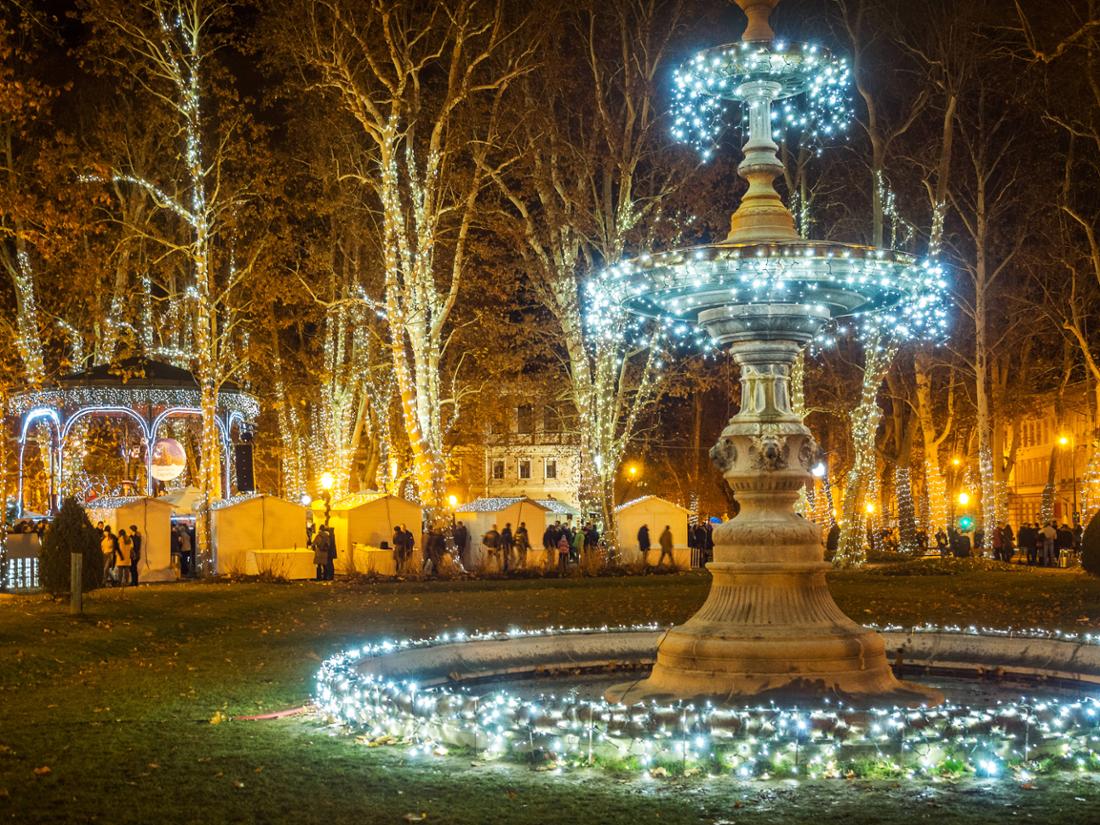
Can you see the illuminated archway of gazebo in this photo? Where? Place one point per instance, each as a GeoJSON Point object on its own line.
{"type": "Point", "coordinates": [148, 393]}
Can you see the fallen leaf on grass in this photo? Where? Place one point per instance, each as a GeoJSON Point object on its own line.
{"type": "Point", "coordinates": [238, 783]}
{"type": "Point", "coordinates": [420, 817]}
{"type": "Point", "coordinates": [218, 718]}
{"type": "Point", "coordinates": [45, 770]}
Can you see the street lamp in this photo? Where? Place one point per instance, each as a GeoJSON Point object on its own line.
{"type": "Point", "coordinates": [326, 493]}
{"type": "Point", "coordinates": [964, 498]}
{"type": "Point", "coordinates": [819, 470]}
{"type": "Point", "coordinates": [1066, 441]}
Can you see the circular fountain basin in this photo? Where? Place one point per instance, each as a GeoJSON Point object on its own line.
{"type": "Point", "coordinates": [537, 695]}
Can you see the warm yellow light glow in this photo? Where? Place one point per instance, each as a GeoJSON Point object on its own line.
{"type": "Point", "coordinates": [632, 470]}
{"type": "Point", "coordinates": [327, 481]}
{"type": "Point", "coordinates": [869, 507]}
{"type": "Point", "coordinates": [964, 498]}
{"type": "Point", "coordinates": [955, 462]}
{"type": "Point", "coordinates": [453, 501]}
{"type": "Point", "coordinates": [1063, 440]}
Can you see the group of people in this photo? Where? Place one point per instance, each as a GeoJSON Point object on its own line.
{"type": "Point", "coordinates": [665, 542]}
{"type": "Point", "coordinates": [1042, 544]}
{"type": "Point", "coordinates": [403, 546]}
{"type": "Point", "coordinates": [323, 545]}
{"type": "Point", "coordinates": [121, 554]}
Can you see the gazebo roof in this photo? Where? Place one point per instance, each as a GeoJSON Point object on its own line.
{"type": "Point", "coordinates": [132, 382]}
{"type": "Point", "coordinates": [137, 372]}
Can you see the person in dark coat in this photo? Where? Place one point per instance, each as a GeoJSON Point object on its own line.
{"type": "Point", "coordinates": [135, 553]}
{"type": "Point", "coordinates": [643, 541]}
{"type": "Point", "coordinates": [507, 543]}
{"type": "Point", "coordinates": [330, 548]}
{"type": "Point", "coordinates": [1009, 541]}
{"type": "Point", "coordinates": [832, 540]}
{"type": "Point", "coordinates": [462, 541]}
{"type": "Point", "coordinates": [666, 547]}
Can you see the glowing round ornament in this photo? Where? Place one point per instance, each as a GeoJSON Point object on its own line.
{"type": "Point", "coordinates": [169, 459]}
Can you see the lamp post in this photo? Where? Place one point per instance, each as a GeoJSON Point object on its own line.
{"type": "Point", "coordinates": [1066, 441]}
{"type": "Point", "coordinates": [452, 500]}
{"type": "Point", "coordinates": [326, 493]}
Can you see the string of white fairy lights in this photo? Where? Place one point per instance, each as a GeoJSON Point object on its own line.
{"type": "Point", "coordinates": [827, 740]}
{"type": "Point", "coordinates": [814, 91]}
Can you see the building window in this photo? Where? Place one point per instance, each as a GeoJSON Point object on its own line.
{"type": "Point", "coordinates": [551, 420]}
{"type": "Point", "coordinates": [525, 418]}
{"type": "Point", "coordinates": [524, 468]}
{"type": "Point", "coordinates": [551, 468]}
{"type": "Point", "coordinates": [498, 470]}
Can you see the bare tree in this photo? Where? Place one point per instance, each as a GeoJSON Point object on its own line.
{"type": "Point", "coordinates": [593, 181]}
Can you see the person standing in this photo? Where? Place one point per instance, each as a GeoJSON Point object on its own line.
{"type": "Point", "coordinates": [523, 544]}
{"type": "Point", "coordinates": [320, 554]}
{"type": "Point", "coordinates": [506, 545]}
{"type": "Point", "coordinates": [643, 541]}
{"type": "Point", "coordinates": [107, 548]}
{"type": "Point", "coordinates": [330, 547]}
{"type": "Point", "coordinates": [187, 565]}
{"type": "Point", "coordinates": [1049, 535]}
{"type": "Point", "coordinates": [137, 541]}
{"type": "Point", "coordinates": [491, 542]}
{"type": "Point", "coordinates": [122, 566]}
{"type": "Point", "coordinates": [998, 543]}
{"type": "Point", "coordinates": [1026, 538]}
{"type": "Point", "coordinates": [563, 553]}
{"type": "Point", "coordinates": [1009, 542]}
{"type": "Point", "coordinates": [666, 547]}
{"type": "Point", "coordinates": [462, 541]}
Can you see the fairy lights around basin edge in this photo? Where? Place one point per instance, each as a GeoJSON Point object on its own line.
{"type": "Point", "coordinates": [763, 741]}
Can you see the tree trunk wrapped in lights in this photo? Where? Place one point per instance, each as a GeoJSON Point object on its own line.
{"type": "Point", "coordinates": [164, 46]}
{"type": "Point", "coordinates": [862, 476]}
{"type": "Point", "coordinates": [428, 143]}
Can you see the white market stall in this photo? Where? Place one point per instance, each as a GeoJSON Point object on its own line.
{"type": "Point", "coordinates": [153, 518]}
{"type": "Point", "coordinates": [656, 513]}
{"type": "Point", "coordinates": [481, 514]}
{"type": "Point", "coordinates": [362, 521]}
{"type": "Point", "coordinates": [260, 534]}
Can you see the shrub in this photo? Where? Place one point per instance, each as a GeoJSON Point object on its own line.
{"type": "Point", "coordinates": [1090, 547]}
{"type": "Point", "coordinates": [70, 532]}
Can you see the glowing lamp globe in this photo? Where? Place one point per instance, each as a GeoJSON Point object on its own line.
{"type": "Point", "coordinates": [169, 460]}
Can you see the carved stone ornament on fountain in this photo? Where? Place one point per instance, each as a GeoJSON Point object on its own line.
{"type": "Point", "coordinates": [769, 628]}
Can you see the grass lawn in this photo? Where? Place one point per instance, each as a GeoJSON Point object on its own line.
{"type": "Point", "coordinates": [107, 718]}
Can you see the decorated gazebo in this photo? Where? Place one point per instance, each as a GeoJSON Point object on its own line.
{"type": "Point", "coordinates": [147, 392]}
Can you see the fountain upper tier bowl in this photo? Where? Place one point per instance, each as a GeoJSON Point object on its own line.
{"type": "Point", "coordinates": [798, 68]}
{"type": "Point", "coordinates": [777, 289]}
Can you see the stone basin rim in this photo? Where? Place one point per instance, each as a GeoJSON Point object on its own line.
{"type": "Point", "coordinates": [479, 659]}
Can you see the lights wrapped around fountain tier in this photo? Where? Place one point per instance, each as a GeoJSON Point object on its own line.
{"type": "Point", "coordinates": [716, 75]}
{"type": "Point", "coordinates": [823, 739]}
{"type": "Point", "coordinates": [821, 280]}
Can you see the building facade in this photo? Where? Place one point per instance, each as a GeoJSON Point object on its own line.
{"type": "Point", "coordinates": [532, 452]}
{"type": "Point", "coordinates": [1045, 443]}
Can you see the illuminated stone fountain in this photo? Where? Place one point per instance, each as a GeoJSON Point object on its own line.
{"type": "Point", "coordinates": [769, 627]}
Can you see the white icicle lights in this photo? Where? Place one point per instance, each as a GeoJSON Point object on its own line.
{"type": "Point", "coordinates": [764, 741]}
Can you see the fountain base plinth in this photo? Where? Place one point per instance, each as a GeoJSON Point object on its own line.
{"type": "Point", "coordinates": [771, 631]}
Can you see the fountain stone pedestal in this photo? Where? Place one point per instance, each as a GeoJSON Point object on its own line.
{"type": "Point", "coordinates": [769, 628]}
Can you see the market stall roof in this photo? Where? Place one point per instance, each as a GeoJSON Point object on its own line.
{"type": "Point", "coordinates": [132, 382]}
{"type": "Point", "coordinates": [654, 499]}
{"type": "Point", "coordinates": [556, 505]}
{"type": "Point", "coordinates": [496, 504]}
